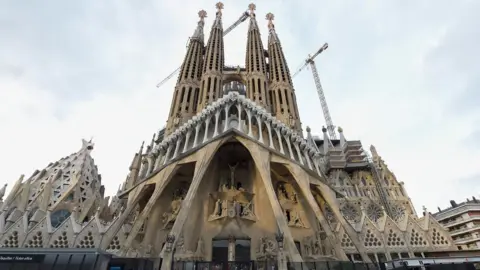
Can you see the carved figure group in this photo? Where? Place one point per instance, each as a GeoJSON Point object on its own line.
{"type": "Point", "coordinates": [294, 219]}
{"type": "Point", "coordinates": [231, 183]}
{"type": "Point", "coordinates": [170, 217]}
{"type": "Point", "coordinates": [286, 192]}
{"type": "Point", "coordinates": [267, 248]}
{"type": "Point", "coordinates": [232, 209]}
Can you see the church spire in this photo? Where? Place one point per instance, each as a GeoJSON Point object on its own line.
{"type": "Point", "coordinates": [255, 64]}
{"type": "Point", "coordinates": [211, 85]}
{"type": "Point", "coordinates": [186, 94]}
{"type": "Point", "coordinates": [282, 95]}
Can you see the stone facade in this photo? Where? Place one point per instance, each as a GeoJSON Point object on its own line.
{"type": "Point", "coordinates": [233, 182]}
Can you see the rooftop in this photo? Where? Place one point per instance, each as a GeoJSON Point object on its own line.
{"type": "Point", "coordinates": [455, 205]}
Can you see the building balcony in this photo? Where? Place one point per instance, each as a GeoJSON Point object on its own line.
{"type": "Point", "coordinates": [460, 221]}
{"type": "Point", "coordinates": [466, 240]}
{"type": "Point", "coordinates": [464, 229]}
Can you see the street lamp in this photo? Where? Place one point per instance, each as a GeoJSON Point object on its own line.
{"type": "Point", "coordinates": [279, 238]}
{"type": "Point", "coordinates": [170, 240]}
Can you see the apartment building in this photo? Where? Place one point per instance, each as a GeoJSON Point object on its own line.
{"type": "Point", "coordinates": [462, 220]}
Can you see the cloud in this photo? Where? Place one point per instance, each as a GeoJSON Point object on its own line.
{"type": "Point", "coordinates": [402, 76]}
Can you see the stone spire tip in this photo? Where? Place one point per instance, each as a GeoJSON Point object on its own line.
{"type": "Point", "coordinates": [219, 7]}
{"type": "Point", "coordinates": [270, 17]}
{"type": "Point", "coordinates": [202, 14]}
{"type": "Point", "coordinates": [252, 7]}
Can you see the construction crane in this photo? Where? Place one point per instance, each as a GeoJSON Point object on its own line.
{"type": "Point", "coordinates": [323, 102]}
{"type": "Point", "coordinates": [242, 18]}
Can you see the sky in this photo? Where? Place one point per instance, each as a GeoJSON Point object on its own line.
{"type": "Point", "coordinates": [402, 75]}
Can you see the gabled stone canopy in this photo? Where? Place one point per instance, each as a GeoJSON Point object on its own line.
{"type": "Point", "coordinates": [223, 116]}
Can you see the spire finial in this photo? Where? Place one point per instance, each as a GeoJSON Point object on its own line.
{"type": "Point", "coordinates": [202, 14]}
{"type": "Point", "coordinates": [270, 17]}
{"type": "Point", "coordinates": [219, 7]}
{"type": "Point", "coordinates": [252, 7]}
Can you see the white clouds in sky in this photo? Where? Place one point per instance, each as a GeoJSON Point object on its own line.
{"type": "Point", "coordinates": [402, 75]}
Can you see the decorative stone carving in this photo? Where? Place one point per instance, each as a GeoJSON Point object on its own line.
{"type": "Point", "coordinates": [149, 250]}
{"type": "Point", "coordinates": [329, 215]}
{"type": "Point", "coordinates": [200, 252]}
{"type": "Point", "coordinates": [232, 200]}
{"type": "Point", "coordinates": [267, 249]}
{"type": "Point", "coordinates": [317, 246]}
{"type": "Point", "coordinates": [398, 212]}
{"type": "Point", "coordinates": [291, 208]}
{"type": "Point", "coordinates": [374, 212]}
{"type": "Point", "coordinates": [294, 219]}
{"type": "Point", "coordinates": [350, 213]}
{"type": "Point", "coordinates": [168, 218]}
{"type": "Point", "coordinates": [233, 207]}
{"type": "Point", "coordinates": [182, 253]}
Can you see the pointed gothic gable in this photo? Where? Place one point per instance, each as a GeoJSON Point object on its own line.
{"type": "Point", "coordinates": [63, 236]}
{"type": "Point", "coordinates": [416, 236]}
{"type": "Point", "coordinates": [438, 237]}
{"type": "Point", "coordinates": [89, 236]}
{"type": "Point", "coordinates": [38, 236]}
{"type": "Point", "coordinates": [14, 235]}
{"type": "Point", "coordinates": [346, 242]}
{"type": "Point", "coordinates": [117, 242]}
{"type": "Point", "coordinates": [393, 237]}
{"type": "Point", "coordinates": [371, 236]}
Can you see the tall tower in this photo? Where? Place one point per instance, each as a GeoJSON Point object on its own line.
{"type": "Point", "coordinates": [255, 64]}
{"type": "Point", "coordinates": [213, 63]}
{"type": "Point", "coordinates": [281, 94]}
{"type": "Point", "coordinates": [186, 94]}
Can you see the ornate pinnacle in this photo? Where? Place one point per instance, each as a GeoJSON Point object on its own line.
{"type": "Point", "coordinates": [219, 7]}
{"type": "Point", "coordinates": [252, 8]}
{"type": "Point", "coordinates": [269, 17]}
{"type": "Point", "coordinates": [202, 14]}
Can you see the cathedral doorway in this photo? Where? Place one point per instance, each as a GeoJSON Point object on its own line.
{"type": "Point", "coordinates": [220, 250]}
{"type": "Point", "coordinates": [242, 250]}
{"type": "Point", "coordinates": [231, 250]}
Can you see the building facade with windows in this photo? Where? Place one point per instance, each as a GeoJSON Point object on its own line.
{"type": "Point", "coordinates": [232, 177]}
{"type": "Point", "coordinates": [462, 220]}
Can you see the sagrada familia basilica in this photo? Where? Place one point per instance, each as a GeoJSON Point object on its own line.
{"type": "Point", "coordinates": [232, 177]}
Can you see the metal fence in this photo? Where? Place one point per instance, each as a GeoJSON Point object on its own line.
{"type": "Point", "coordinates": [272, 265]}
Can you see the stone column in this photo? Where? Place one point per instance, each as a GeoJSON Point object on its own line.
{"type": "Point", "coordinates": [231, 249]}
{"type": "Point", "coordinates": [281, 258]}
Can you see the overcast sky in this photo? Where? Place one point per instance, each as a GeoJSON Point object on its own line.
{"type": "Point", "coordinates": [402, 75]}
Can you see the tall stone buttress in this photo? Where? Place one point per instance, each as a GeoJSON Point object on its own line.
{"type": "Point", "coordinates": [187, 90]}
{"type": "Point", "coordinates": [255, 64]}
{"type": "Point", "coordinates": [281, 93]}
{"type": "Point", "coordinates": [211, 85]}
